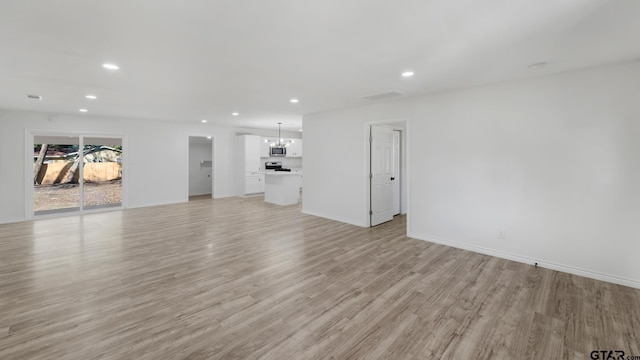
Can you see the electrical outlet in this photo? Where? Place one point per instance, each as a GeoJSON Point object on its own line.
{"type": "Point", "coordinates": [502, 235]}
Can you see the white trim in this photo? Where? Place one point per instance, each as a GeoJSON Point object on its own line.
{"type": "Point", "coordinates": [11, 220]}
{"type": "Point", "coordinates": [223, 196]}
{"type": "Point", "coordinates": [213, 165]}
{"type": "Point", "coordinates": [28, 174]}
{"type": "Point", "coordinates": [124, 200]}
{"type": "Point", "coordinates": [407, 171]}
{"type": "Point", "coordinates": [158, 204]}
{"type": "Point", "coordinates": [527, 260]}
{"type": "Point", "coordinates": [76, 213]}
{"type": "Point", "coordinates": [404, 159]}
{"type": "Point", "coordinates": [81, 174]}
{"type": "Point", "coordinates": [335, 218]}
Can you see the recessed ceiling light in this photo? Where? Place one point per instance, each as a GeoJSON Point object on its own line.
{"type": "Point", "coordinates": [294, 101]}
{"type": "Point", "coordinates": [83, 110]}
{"type": "Point", "coordinates": [537, 66]}
{"type": "Point", "coordinates": [91, 97]}
{"type": "Point", "coordinates": [34, 97]}
{"type": "Point", "coordinates": [235, 114]}
{"type": "Point", "coordinates": [407, 74]}
{"type": "Point", "coordinates": [111, 66]}
{"type": "Point", "coordinates": [203, 121]}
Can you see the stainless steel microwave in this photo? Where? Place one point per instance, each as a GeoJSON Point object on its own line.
{"type": "Point", "coordinates": [277, 151]}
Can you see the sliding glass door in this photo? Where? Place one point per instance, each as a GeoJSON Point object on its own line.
{"type": "Point", "coordinates": [76, 173]}
{"type": "Point", "coordinates": [55, 180]}
{"type": "Point", "coordinates": [102, 173]}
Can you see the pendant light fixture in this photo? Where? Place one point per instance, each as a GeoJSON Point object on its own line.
{"type": "Point", "coordinates": [280, 142]}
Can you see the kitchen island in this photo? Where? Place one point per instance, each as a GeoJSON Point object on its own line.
{"type": "Point", "coordinates": [282, 187]}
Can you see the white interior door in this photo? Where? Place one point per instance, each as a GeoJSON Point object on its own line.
{"type": "Point", "coordinates": [381, 174]}
{"type": "Point", "coordinates": [395, 172]}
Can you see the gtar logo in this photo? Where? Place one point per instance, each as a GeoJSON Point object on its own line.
{"type": "Point", "coordinates": [607, 355]}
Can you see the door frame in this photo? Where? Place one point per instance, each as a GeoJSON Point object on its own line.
{"type": "Point", "coordinates": [213, 164]}
{"type": "Point", "coordinates": [28, 172]}
{"type": "Point", "coordinates": [405, 189]}
{"type": "Point", "coordinates": [400, 174]}
{"type": "Point", "coordinates": [189, 159]}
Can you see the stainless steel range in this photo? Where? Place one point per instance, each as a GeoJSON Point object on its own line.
{"type": "Point", "coordinates": [274, 166]}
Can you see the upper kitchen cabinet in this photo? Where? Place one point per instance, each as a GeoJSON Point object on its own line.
{"type": "Point", "coordinates": [264, 147]}
{"type": "Point", "coordinates": [295, 148]}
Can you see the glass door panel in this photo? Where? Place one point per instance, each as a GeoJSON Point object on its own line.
{"type": "Point", "coordinates": [55, 174]}
{"type": "Point", "coordinates": [102, 172]}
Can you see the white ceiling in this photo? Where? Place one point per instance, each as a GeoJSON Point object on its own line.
{"type": "Point", "coordinates": [204, 59]}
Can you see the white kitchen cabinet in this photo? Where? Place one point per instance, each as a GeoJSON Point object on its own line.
{"type": "Point", "coordinates": [248, 162]}
{"type": "Point", "coordinates": [295, 148]}
{"type": "Point", "coordinates": [253, 184]}
{"type": "Point", "coordinates": [264, 147]}
{"type": "Point", "coordinates": [251, 152]}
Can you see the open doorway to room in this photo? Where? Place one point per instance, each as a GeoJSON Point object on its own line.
{"type": "Point", "coordinates": [387, 172]}
{"type": "Point", "coordinates": [200, 167]}
{"type": "Point", "coordinates": [75, 173]}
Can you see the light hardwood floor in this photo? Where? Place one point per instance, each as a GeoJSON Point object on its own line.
{"type": "Point", "coordinates": [241, 279]}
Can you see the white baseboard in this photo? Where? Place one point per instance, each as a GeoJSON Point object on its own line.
{"type": "Point", "coordinates": [11, 220]}
{"type": "Point", "coordinates": [223, 196]}
{"type": "Point", "coordinates": [155, 204]}
{"type": "Point", "coordinates": [335, 218]}
{"type": "Point", "coordinates": [526, 260]}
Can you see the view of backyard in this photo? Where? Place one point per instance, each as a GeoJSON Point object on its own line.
{"type": "Point", "coordinates": [58, 196]}
{"type": "Point", "coordinates": [61, 170]}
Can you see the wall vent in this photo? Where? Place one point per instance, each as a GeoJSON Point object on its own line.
{"type": "Point", "coordinates": [381, 96]}
{"type": "Point", "coordinates": [34, 97]}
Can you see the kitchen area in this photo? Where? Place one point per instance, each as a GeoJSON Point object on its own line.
{"type": "Point", "coordinates": [269, 166]}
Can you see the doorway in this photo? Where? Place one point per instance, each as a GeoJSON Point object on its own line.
{"type": "Point", "coordinates": [75, 173]}
{"type": "Point", "coordinates": [387, 195]}
{"type": "Point", "coordinates": [200, 167]}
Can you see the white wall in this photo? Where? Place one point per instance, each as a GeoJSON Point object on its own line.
{"type": "Point", "coordinates": [551, 161]}
{"type": "Point", "coordinates": [156, 157]}
{"type": "Point", "coordinates": [200, 181]}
